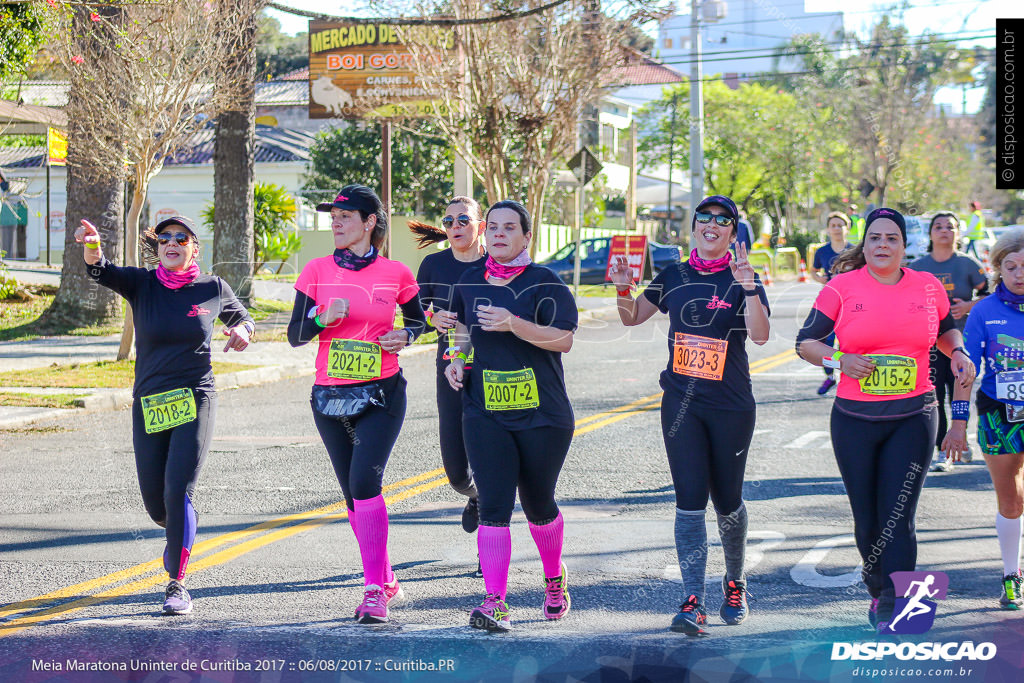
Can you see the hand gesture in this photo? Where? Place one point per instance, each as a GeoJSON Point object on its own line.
{"type": "Point", "coordinates": [959, 308]}
{"type": "Point", "coordinates": [453, 373]}
{"type": "Point", "coordinates": [955, 441]}
{"type": "Point", "coordinates": [494, 318]}
{"type": "Point", "coordinates": [963, 369]}
{"type": "Point", "coordinates": [741, 268]}
{"type": "Point", "coordinates": [855, 365]}
{"type": "Point", "coordinates": [444, 320]}
{"type": "Point", "coordinates": [336, 311]}
{"type": "Point", "coordinates": [88, 235]}
{"type": "Point", "coordinates": [394, 341]}
{"type": "Point", "coordinates": [238, 338]}
{"type": "Point", "coordinates": [620, 272]}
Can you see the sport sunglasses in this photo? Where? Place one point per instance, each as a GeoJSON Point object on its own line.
{"type": "Point", "coordinates": [180, 237]}
{"type": "Point", "coordinates": [463, 220]}
{"type": "Point", "coordinates": [724, 221]}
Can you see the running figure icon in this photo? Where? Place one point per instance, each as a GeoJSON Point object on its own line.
{"type": "Point", "coordinates": [915, 606]}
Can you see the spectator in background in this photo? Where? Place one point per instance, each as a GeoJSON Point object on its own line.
{"type": "Point", "coordinates": [744, 233]}
{"type": "Point", "coordinates": [836, 227]}
{"type": "Point", "coordinates": [4, 185]}
{"type": "Point", "coordinates": [975, 230]}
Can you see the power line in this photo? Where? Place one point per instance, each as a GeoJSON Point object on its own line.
{"type": "Point", "coordinates": [397, 21]}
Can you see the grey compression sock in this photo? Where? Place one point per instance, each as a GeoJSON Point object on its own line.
{"type": "Point", "coordinates": [733, 530]}
{"type": "Point", "coordinates": [692, 549]}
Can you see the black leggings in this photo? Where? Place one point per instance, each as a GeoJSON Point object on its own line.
{"type": "Point", "coordinates": [707, 452]}
{"type": "Point", "coordinates": [453, 447]}
{"type": "Point", "coordinates": [883, 464]}
{"type": "Point", "coordinates": [168, 465]}
{"type": "Point", "coordinates": [360, 446]}
{"type": "Point", "coordinates": [502, 460]}
{"type": "Point", "coordinates": [942, 376]}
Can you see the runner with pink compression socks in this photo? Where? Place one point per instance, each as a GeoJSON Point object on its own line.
{"type": "Point", "coordinates": [518, 319]}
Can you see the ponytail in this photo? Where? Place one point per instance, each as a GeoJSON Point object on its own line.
{"type": "Point", "coordinates": [426, 234]}
{"type": "Point", "coordinates": [851, 259]}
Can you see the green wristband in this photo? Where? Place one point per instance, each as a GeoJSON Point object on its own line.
{"type": "Point", "coordinates": [316, 319]}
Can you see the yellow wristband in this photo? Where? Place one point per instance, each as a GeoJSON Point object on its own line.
{"type": "Point", "coordinates": [92, 245]}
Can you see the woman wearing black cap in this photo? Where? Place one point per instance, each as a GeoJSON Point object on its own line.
{"type": "Point", "coordinates": [886, 319]}
{"type": "Point", "coordinates": [707, 411]}
{"type": "Point", "coordinates": [173, 411]}
{"type": "Point", "coordinates": [347, 301]}
{"type": "Point", "coordinates": [437, 276]}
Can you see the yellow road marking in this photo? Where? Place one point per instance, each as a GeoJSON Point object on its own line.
{"type": "Point", "coordinates": [755, 366]}
{"type": "Point", "coordinates": [620, 409]}
{"type": "Point", "coordinates": [621, 416]}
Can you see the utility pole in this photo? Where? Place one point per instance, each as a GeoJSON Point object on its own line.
{"type": "Point", "coordinates": [696, 109]}
{"type": "Point", "coordinates": [671, 151]}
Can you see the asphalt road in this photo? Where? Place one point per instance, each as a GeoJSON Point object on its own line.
{"type": "Point", "coordinates": [275, 575]}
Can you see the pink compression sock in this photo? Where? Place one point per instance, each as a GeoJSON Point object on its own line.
{"type": "Point", "coordinates": [549, 542]}
{"type": "Point", "coordinates": [371, 529]}
{"type": "Point", "coordinates": [494, 543]}
{"type": "Point", "coordinates": [389, 575]}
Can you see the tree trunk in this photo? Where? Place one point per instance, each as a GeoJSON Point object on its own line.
{"type": "Point", "coordinates": [132, 259]}
{"type": "Point", "coordinates": [94, 192]}
{"type": "Point", "coordinates": [234, 180]}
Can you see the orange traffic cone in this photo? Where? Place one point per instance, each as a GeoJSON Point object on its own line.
{"type": "Point", "coordinates": [766, 280]}
{"type": "Point", "coordinates": [803, 271]}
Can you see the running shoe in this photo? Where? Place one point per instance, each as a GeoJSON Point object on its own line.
{"type": "Point", "coordinates": [734, 608]}
{"type": "Point", "coordinates": [826, 385]}
{"type": "Point", "coordinates": [556, 595]}
{"type": "Point", "coordinates": [492, 615]}
{"type": "Point", "coordinates": [176, 599]}
{"type": "Point", "coordinates": [1010, 597]}
{"type": "Point", "coordinates": [479, 573]}
{"type": "Point", "coordinates": [374, 609]}
{"type": "Point", "coordinates": [941, 463]}
{"type": "Point", "coordinates": [394, 593]}
{"type": "Point", "coordinates": [873, 613]}
{"type": "Point", "coordinates": [471, 516]}
{"type": "Point", "coordinates": [691, 619]}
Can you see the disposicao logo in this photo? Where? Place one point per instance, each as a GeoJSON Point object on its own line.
{"type": "Point", "coordinates": [914, 614]}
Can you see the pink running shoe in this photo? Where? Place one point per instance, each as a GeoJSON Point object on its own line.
{"type": "Point", "coordinates": [394, 593]}
{"type": "Point", "coordinates": [491, 615]}
{"type": "Point", "coordinates": [374, 609]}
{"type": "Point", "coordinates": [556, 595]}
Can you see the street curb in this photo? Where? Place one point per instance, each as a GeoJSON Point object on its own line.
{"type": "Point", "coordinates": [115, 400]}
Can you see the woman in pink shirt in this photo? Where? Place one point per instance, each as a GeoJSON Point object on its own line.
{"type": "Point", "coordinates": [886, 319]}
{"type": "Point", "coordinates": [347, 302]}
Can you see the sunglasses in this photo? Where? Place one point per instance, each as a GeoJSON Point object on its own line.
{"type": "Point", "coordinates": [724, 221]}
{"type": "Point", "coordinates": [463, 220]}
{"type": "Point", "coordinates": [180, 237]}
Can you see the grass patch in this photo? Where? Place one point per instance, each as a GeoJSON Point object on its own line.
{"type": "Point", "coordinates": [280, 277]}
{"type": "Point", "coordinates": [19, 318]}
{"type": "Point", "coordinates": [21, 400]}
{"type": "Point", "coordinates": [34, 429]}
{"type": "Point", "coordinates": [115, 374]}
{"type": "Point", "coordinates": [265, 308]}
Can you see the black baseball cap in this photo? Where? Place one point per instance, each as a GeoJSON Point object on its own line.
{"type": "Point", "coordinates": [354, 198]}
{"type": "Point", "coordinates": [885, 212]}
{"type": "Point", "coordinates": [176, 220]}
{"type": "Point", "coordinates": [717, 200]}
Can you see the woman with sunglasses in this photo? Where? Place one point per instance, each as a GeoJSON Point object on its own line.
{"type": "Point", "coordinates": [174, 307]}
{"type": "Point", "coordinates": [518, 318]}
{"type": "Point", "coordinates": [883, 423]}
{"type": "Point", "coordinates": [437, 276]}
{"type": "Point", "coordinates": [347, 302]}
{"type": "Point", "coordinates": [707, 411]}
{"type": "Point", "coordinates": [963, 279]}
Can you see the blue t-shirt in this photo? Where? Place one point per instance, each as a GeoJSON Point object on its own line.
{"type": "Point", "coordinates": [825, 256]}
{"type": "Point", "coordinates": [994, 339]}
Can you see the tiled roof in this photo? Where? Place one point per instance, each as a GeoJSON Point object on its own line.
{"type": "Point", "coordinates": [273, 145]}
{"type": "Point", "coordinates": [282, 93]}
{"type": "Point", "coordinates": [641, 69]}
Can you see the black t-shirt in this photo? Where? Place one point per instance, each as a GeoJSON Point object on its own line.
{"type": "Point", "coordinates": [712, 307]}
{"type": "Point", "coordinates": [536, 295]}
{"type": "Point", "coordinates": [437, 276]}
{"type": "Point", "coordinates": [173, 327]}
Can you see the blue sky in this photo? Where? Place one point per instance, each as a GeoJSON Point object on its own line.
{"type": "Point", "coordinates": [937, 16]}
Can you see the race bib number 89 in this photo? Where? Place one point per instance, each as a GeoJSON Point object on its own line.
{"type": "Point", "coordinates": [515, 390]}
{"type": "Point", "coordinates": [892, 376]}
{"type": "Point", "coordinates": [1010, 386]}
{"type": "Point", "coordinates": [169, 409]}
{"type": "Point", "coordinates": [353, 359]}
{"type": "Point", "coordinates": [696, 356]}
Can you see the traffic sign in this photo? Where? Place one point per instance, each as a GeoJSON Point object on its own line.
{"type": "Point", "coordinates": [585, 166]}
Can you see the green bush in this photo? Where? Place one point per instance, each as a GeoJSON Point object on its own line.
{"type": "Point", "coordinates": [801, 239]}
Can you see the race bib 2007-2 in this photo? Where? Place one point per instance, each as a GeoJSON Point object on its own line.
{"type": "Point", "coordinates": [512, 390]}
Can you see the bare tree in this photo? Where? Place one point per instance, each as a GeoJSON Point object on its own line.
{"type": "Point", "coordinates": [510, 93]}
{"type": "Point", "coordinates": [155, 71]}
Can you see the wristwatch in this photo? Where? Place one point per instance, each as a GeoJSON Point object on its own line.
{"type": "Point", "coordinates": [833, 361]}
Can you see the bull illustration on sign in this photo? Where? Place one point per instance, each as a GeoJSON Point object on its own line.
{"type": "Point", "coordinates": [324, 92]}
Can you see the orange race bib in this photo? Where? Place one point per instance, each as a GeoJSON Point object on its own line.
{"type": "Point", "coordinates": [696, 356]}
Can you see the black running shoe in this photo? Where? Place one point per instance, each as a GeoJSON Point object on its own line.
{"type": "Point", "coordinates": [176, 599]}
{"type": "Point", "coordinates": [734, 608]}
{"type": "Point", "coordinates": [692, 618]}
{"type": "Point", "coordinates": [479, 573]}
{"type": "Point", "coordinates": [471, 516]}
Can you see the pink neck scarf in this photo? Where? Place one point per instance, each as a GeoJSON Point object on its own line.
{"type": "Point", "coordinates": [710, 266]}
{"type": "Point", "coordinates": [176, 279]}
{"type": "Point", "coordinates": [504, 271]}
